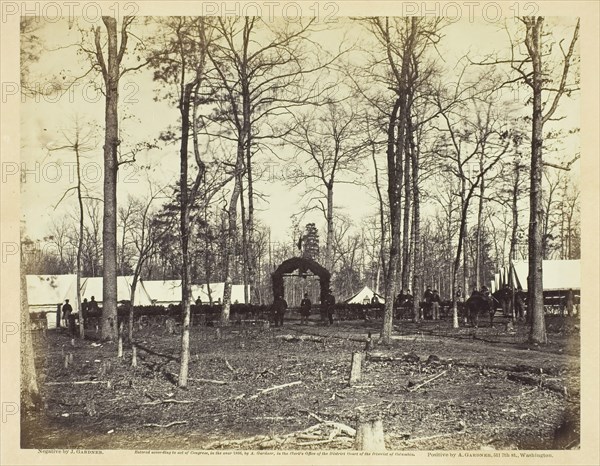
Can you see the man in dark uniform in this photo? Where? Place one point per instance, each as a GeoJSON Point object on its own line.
{"type": "Point", "coordinates": [66, 312]}
{"type": "Point", "coordinates": [329, 302]}
{"type": "Point", "coordinates": [305, 306]}
{"type": "Point", "coordinates": [427, 297]}
{"type": "Point", "coordinates": [67, 309]}
{"type": "Point", "coordinates": [435, 305]}
{"type": "Point", "coordinates": [93, 305]}
{"type": "Point", "coordinates": [279, 307]}
{"type": "Point", "coordinates": [84, 310]}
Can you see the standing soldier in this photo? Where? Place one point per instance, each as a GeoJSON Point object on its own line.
{"type": "Point", "coordinates": [305, 306]}
{"type": "Point", "coordinates": [329, 303]}
{"type": "Point", "coordinates": [435, 305]}
{"type": "Point", "coordinates": [279, 307]}
{"type": "Point", "coordinates": [427, 297]}
{"type": "Point", "coordinates": [66, 312]}
{"type": "Point", "coordinates": [84, 310]}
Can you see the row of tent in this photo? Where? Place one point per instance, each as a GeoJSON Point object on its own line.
{"type": "Point", "coordinates": [45, 292]}
{"type": "Point", "coordinates": [557, 275]}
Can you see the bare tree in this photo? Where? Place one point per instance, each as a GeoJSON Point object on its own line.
{"type": "Point", "coordinates": [144, 235]}
{"type": "Point", "coordinates": [255, 61]}
{"type": "Point", "coordinates": [79, 142]}
{"type": "Point", "coordinates": [463, 140]}
{"type": "Point", "coordinates": [549, 79]}
{"type": "Point", "coordinates": [110, 64]}
{"type": "Point", "coordinates": [539, 82]}
{"type": "Point", "coordinates": [327, 148]}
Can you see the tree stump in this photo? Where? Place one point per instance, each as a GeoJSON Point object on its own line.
{"type": "Point", "coordinates": [369, 343]}
{"type": "Point", "coordinates": [218, 333]}
{"type": "Point", "coordinates": [120, 342]}
{"type": "Point", "coordinates": [369, 436]}
{"type": "Point", "coordinates": [170, 326]}
{"type": "Point", "coordinates": [134, 356]}
{"type": "Point", "coordinates": [356, 370]}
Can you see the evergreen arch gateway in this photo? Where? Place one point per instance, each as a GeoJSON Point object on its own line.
{"type": "Point", "coordinates": [303, 265]}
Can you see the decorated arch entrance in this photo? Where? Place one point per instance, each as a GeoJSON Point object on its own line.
{"type": "Point", "coordinates": [303, 265]}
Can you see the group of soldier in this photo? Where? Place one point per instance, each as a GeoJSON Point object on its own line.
{"type": "Point", "coordinates": [327, 309]}
{"type": "Point", "coordinates": [69, 319]}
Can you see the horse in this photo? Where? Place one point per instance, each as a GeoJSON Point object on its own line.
{"type": "Point", "coordinates": [476, 304]}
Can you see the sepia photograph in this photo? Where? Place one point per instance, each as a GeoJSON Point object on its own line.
{"type": "Point", "coordinates": [287, 229]}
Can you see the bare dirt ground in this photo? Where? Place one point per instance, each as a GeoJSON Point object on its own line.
{"type": "Point", "coordinates": [492, 391]}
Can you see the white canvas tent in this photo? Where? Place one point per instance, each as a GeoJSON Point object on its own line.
{"type": "Point", "coordinates": [163, 292]}
{"type": "Point", "coordinates": [217, 289]}
{"type": "Point", "coordinates": [556, 274]}
{"type": "Point", "coordinates": [367, 293]}
{"type": "Point", "coordinates": [45, 292]}
{"type": "Point", "coordinates": [169, 292]}
{"type": "Point", "coordinates": [92, 286]}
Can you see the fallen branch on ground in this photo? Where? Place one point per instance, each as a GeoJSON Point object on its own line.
{"type": "Point", "coordinates": [431, 437]}
{"type": "Point", "coordinates": [276, 387]}
{"type": "Point", "coordinates": [78, 382]}
{"type": "Point", "coordinates": [293, 338]}
{"type": "Point", "coordinates": [412, 389]}
{"type": "Point", "coordinates": [218, 382]}
{"type": "Point", "coordinates": [550, 384]}
{"type": "Point", "coordinates": [229, 366]}
{"type": "Point", "coordinates": [158, 402]}
{"type": "Point", "coordinates": [170, 424]}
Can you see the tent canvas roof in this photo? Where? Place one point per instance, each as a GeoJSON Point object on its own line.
{"type": "Point", "coordinates": [169, 291]}
{"type": "Point", "coordinates": [50, 290]}
{"type": "Point", "coordinates": [163, 291]}
{"type": "Point", "coordinates": [556, 274]}
{"type": "Point", "coordinates": [92, 286]}
{"type": "Point", "coordinates": [217, 289]}
{"type": "Point", "coordinates": [366, 292]}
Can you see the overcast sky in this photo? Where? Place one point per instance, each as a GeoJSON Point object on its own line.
{"type": "Point", "coordinates": [45, 119]}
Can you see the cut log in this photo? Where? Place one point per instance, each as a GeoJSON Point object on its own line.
{"type": "Point", "coordinates": [369, 436]}
{"type": "Point", "coordinates": [356, 370]}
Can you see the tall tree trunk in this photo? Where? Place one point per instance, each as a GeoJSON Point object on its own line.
{"type": "Point", "coordinates": [80, 240]}
{"type": "Point", "coordinates": [416, 221]}
{"type": "Point", "coordinates": [30, 394]}
{"type": "Point", "coordinates": [394, 201]}
{"type": "Point", "coordinates": [479, 233]}
{"type": "Point", "coordinates": [406, 227]}
{"type": "Point", "coordinates": [515, 213]}
{"type": "Point", "coordinates": [245, 245]}
{"type": "Point", "coordinates": [231, 235]}
{"type": "Point", "coordinates": [329, 242]}
{"type": "Point", "coordinates": [184, 109]}
{"type": "Point", "coordinates": [111, 142]}
{"type": "Point", "coordinates": [536, 211]}
{"type": "Point", "coordinates": [382, 224]}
